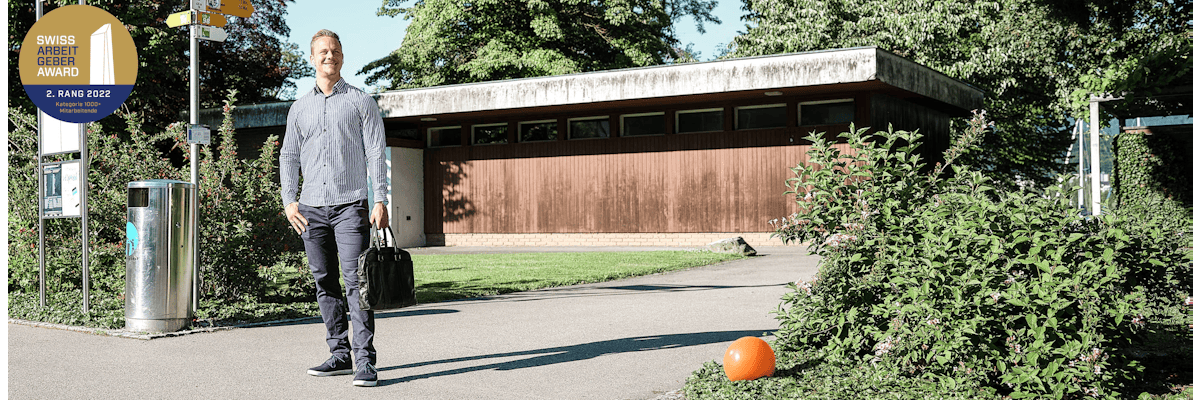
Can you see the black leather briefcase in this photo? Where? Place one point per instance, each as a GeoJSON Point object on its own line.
{"type": "Point", "coordinates": [385, 275]}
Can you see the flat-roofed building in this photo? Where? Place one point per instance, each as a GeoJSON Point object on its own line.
{"type": "Point", "coordinates": [677, 155]}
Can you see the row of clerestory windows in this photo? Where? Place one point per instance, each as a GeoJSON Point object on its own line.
{"type": "Point", "coordinates": [826, 112]}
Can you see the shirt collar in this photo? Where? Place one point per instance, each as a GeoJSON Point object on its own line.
{"type": "Point", "coordinates": [338, 87]}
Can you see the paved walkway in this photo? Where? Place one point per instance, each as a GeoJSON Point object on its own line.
{"type": "Point", "coordinates": [630, 339]}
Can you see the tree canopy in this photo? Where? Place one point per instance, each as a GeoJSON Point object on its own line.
{"type": "Point", "coordinates": [255, 60]}
{"type": "Point", "coordinates": [1036, 60]}
{"type": "Point", "coordinates": [452, 42]}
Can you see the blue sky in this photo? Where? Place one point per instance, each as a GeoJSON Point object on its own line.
{"type": "Point", "coordinates": [367, 37]}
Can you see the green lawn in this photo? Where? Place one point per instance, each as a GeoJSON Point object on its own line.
{"type": "Point", "coordinates": [456, 276]}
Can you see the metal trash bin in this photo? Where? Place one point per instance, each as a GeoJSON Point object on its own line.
{"type": "Point", "coordinates": [158, 256]}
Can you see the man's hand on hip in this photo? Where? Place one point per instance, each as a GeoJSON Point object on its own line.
{"type": "Point", "coordinates": [297, 221]}
{"type": "Point", "coordinates": [379, 216]}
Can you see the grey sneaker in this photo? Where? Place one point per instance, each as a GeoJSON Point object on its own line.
{"type": "Point", "coordinates": [366, 375]}
{"type": "Point", "coordinates": [332, 366]}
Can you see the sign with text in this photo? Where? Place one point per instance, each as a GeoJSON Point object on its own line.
{"type": "Point", "coordinates": [199, 134]}
{"type": "Point", "coordinates": [191, 17]}
{"type": "Point", "coordinates": [62, 190]}
{"type": "Point", "coordinates": [78, 64]}
{"type": "Point", "coordinates": [237, 8]}
{"type": "Point", "coordinates": [211, 34]}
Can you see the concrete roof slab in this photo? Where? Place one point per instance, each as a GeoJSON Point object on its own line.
{"type": "Point", "coordinates": [827, 68]}
{"type": "Point", "coordinates": [830, 67]}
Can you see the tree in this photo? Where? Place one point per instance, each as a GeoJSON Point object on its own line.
{"type": "Point", "coordinates": [254, 60]}
{"type": "Point", "coordinates": [1029, 56]}
{"type": "Point", "coordinates": [452, 42]}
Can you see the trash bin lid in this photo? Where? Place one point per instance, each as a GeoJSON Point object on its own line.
{"type": "Point", "coordinates": [158, 183]}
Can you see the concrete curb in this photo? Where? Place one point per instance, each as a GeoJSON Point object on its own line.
{"type": "Point", "coordinates": [127, 334]}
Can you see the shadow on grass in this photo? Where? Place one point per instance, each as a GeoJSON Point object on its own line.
{"type": "Point", "coordinates": [572, 353]}
{"type": "Point", "coordinates": [597, 290]}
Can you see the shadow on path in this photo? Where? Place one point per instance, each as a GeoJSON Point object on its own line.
{"type": "Point", "coordinates": [578, 352]}
{"type": "Point", "coordinates": [378, 314]}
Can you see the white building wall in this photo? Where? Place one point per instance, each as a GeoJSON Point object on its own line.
{"type": "Point", "coordinates": [407, 206]}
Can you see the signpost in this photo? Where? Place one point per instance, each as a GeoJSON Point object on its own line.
{"type": "Point", "coordinates": [203, 20]}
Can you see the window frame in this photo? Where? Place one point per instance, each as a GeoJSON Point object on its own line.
{"type": "Point", "coordinates": [625, 133]}
{"type": "Point", "coordinates": [570, 131]}
{"type": "Point", "coordinates": [736, 116]}
{"type": "Point", "coordinates": [800, 110]}
{"type": "Point", "coordinates": [697, 111]}
{"type": "Point", "coordinates": [429, 136]}
{"type": "Point", "coordinates": [474, 143]}
{"type": "Point", "coordinates": [521, 125]}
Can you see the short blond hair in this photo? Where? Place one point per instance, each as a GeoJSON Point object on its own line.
{"type": "Point", "coordinates": [323, 33]}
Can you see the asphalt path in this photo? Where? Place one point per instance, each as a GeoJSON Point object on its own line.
{"type": "Point", "coordinates": [634, 338]}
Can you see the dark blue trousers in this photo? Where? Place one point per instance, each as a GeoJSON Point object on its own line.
{"type": "Point", "coordinates": [340, 232]}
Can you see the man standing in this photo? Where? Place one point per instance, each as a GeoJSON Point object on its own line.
{"type": "Point", "coordinates": [335, 139]}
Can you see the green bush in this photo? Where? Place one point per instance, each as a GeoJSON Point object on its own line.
{"type": "Point", "coordinates": [937, 285]}
{"type": "Point", "coordinates": [1153, 182]}
{"type": "Point", "coordinates": [242, 230]}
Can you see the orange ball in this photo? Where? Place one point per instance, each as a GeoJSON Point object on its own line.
{"type": "Point", "coordinates": [749, 358]}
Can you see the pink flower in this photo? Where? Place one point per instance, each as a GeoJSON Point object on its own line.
{"type": "Point", "coordinates": [883, 347]}
{"type": "Point", "coordinates": [805, 286]}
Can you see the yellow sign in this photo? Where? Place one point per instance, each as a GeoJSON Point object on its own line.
{"type": "Point", "coordinates": [211, 19]}
{"type": "Point", "coordinates": [193, 17]}
{"type": "Point", "coordinates": [237, 8]}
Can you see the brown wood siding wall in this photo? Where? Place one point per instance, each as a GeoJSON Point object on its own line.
{"type": "Point", "coordinates": [902, 115]}
{"type": "Point", "coordinates": [727, 181]}
{"type": "Point", "coordinates": [604, 189]}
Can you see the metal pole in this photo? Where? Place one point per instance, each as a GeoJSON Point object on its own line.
{"type": "Point", "coordinates": [41, 206]}
{"type": "Point", "coordinates": [1120, 128]}
{"type": "Point", "coordinates": [1079, 137]}
{"type": "Point", "coordinates": [83, 189]}
{"type": "Point", "coordinates": [1094, 108]}
{"type": "Point", "coordinates": [195, 156]}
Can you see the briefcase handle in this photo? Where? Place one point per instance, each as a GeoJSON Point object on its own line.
{"type": "Point", "coordinates": [380, 240]}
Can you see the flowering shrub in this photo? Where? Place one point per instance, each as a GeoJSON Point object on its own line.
{"type": "Point", "coordinates": [242, 230]}
{"type": "Point", "coordinates": [242, 227]}
{"type": "Point", "coordinates": [936, 278]}
{"type": "Point", "coordinates": [114, 160]}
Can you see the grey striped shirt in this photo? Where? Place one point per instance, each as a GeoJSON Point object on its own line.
{"type": "Point", "coordinates": [334, 141]}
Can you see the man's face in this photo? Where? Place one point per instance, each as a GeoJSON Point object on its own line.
{"type": "Point", "coordinates": [327, 57]}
